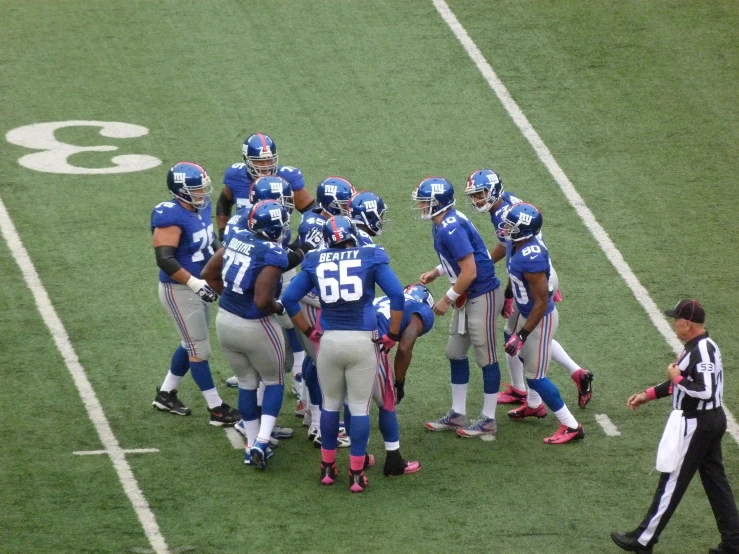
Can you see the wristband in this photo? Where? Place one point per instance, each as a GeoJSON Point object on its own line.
{"type": "Point", "coordinates": [441, 270]}
{"type": "Point", "coordinates": [451, 295]}
{"type": "Point", "coordinates": [393, 336]}
{"type": "Point", "coordinates": [524, 334]}
{"type": "Point", "coordinates": [194, 284]}
{"type": "Point", "coordinates": [508, 293]}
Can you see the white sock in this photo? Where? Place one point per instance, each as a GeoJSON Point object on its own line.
{"type": "Point", "coordinates": [392, 446]}
{"type": "Point", "coordinates": [533, 399]}
{"type": "Point", "coordinates": [252, 430]}
{"type": "Point", "coordinates": [260, 393]}
{"type": "Point", "coordinates": [298, 358]}
{"type": "Point", "coordinates": [489, 402]}
{"type": "Point", "coordinates": [265, 429]}
{"type": "Point", "coordinates": [171, 382]}
{"type": "Point", "coordinates": [459, 398]}
{"type": "Point", "coordinates": [304, 397]}
{"type": "Point", "coordinates": [515, 368]}
{"type": "Point", "coordinates": [562, 358]}
{"type": "Point", "coordinates": [315, 416]}
{"type": "Point", "coordinates": [212, 398]}
{"type": "Point", "coordinates": [566, 418]}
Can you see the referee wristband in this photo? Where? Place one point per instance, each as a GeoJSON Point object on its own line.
{"type": "Point", "coordinates": [451, 295]}
{"type": "Point", "coordinates": [440, 269]}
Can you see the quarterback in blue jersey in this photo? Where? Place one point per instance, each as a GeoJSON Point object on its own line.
{"type": "Point", "coordinates": [485, 194]}
{"type": "Point", "coordinates": [528, 270]}
{"type": "Point", "coordinates": [477, 296]}
{"type": "Point", "coordinates": [345, 275]}
{"type": "Point", "coordinates": [418, 319]}
{"type": "Point", "coordinates": [259, 153]}
{"type": "Point", "coordinates": [183, 242]}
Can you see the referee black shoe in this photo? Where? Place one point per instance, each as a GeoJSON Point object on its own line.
{"type": "Point", "coordinates": [167, 401]}
{"type": "Point", "coordinates": [627, 541]}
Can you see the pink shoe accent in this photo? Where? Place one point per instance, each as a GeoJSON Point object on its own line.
{"type": "Point", "coordinates": [511, 395]}
{"type": "Point", "coordinates": [565, 434]}
{"type": "Point", "coordinates": [369, 461]}
{"type": "Point", "coordinates": [557, 296]}
{"type": "Point", "coordinates": [328, 456]}
{"type": "Point", "coordinates": [412, 466]}
{"type": "Point", "coordinates": [524, 411]}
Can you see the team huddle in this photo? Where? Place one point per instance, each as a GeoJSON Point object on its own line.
{"type": "Point", "coordinates": [324, 323]}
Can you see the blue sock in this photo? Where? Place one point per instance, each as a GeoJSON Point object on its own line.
{"type": "Point", "coordinates": [292, 338]}
{"type": "Point", "coordinates": [200, 372]}
{"type": "Point", "coordinates": [389, 426]}
{"type": "Point", "coordinates": [491, 378]}
{"type": "Point", "coordinates": [272, 401]}
{"type": "Point", "coordinates": [460, 371]}
{"type": "Point", "coordinates": [180, 362]}
{"type": "Point", "coordinates": [359, 435]}
{"type": "Point", "coordinates": [347, 419]}
{"type": "Point", "coordinates": [329, 429]}
{"type": "Point", "coordinates": [548, 391]}
{"type": "Point", "coordinates": [248, 404]}
{"type": "Point", "coordinates": [310, 374]}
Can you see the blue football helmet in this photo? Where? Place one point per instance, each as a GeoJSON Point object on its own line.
{"type": "Point", "coordinates": [189, 182]}
{"type": "Point", "coordinates": [272, 187]}
{"type": "Point", "coordinates": [520, 222]}
{"type": "Point", "coordinates": [270, 220]}
{"type": "Point", "coordinates": [487, 182]}
{"type": "Point", "coordinates": [262, 149]}
{"type": "Point", "coordinates": [368, 209]}
{"type": "Point", "coordinates": [337, 230]}
{"type": "Point", "coordinates": [433, 195]}
{"type": "Point", "coordinates": [333, 195]}
{"type": "Point", "coordinates": [419, 293]}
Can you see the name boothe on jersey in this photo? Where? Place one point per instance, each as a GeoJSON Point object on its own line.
{"type": "Point", "coordinates": [412, 306]}
{"type": "Point", "coordinates": [345, 281]}
{"type": "Point", "coordinates": [496, 216]}
{"type": "Point", "coordinates": [454, 238]}
{"type": "Point", "coordinates": [245, 257]}
{"type": "Point", "coordinates": [196, 238]}
{"type": "Point", "coordinates": [238, 180]}
{"type": "Point", "coordinates": [531, 257]}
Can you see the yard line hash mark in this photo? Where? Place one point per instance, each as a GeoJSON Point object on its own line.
{"type": "Point", "coordinates": [125, 451]}
{"type": "Point", "coordinates": [235, 438]}
{"type": "Point", "coordinates": [84, 387]}
{"type": "Point", "coordinates": [608, 427]}
{"type": "Point", "coordinates": [573, 197]}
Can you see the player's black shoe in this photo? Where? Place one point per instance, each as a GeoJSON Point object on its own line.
{"type": "Point", "coordinates": [328, 473]}
{"type": "Point", "coordinates": [357, 481]}
{"type": "Point", "coordinates": [224, 416]}
{"type": "Point", "coordinates": [396, 465]}
{"type": "Point", "coordinates": [168, 402]}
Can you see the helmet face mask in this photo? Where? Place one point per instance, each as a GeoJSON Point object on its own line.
{"type": "Point", "coordinates": [260, 155]}
{"type": "Point", "coordinates": [483, 190]}
{"type": "Point", "coordinates": [433, 196]}
{"type": "Point", "coordinates": [189, 183]}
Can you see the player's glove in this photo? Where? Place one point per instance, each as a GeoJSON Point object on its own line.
{"type": "Point", "coordinates": [507, 310]}
{"type": "Point", "coordinates": [515, 343]}
{"type": "Point", "coordinates": [313, 335]}
{"type": "Point", "coordinates": [387, 341]}
{"type": "Point", "coordinates": [399, 391]}
{"type": "Point", "coordinates": [201, 288]}
{"type": "Point", "coordinates": [557, 296]}
{"type": "Point", "coordinates": [314, 237]}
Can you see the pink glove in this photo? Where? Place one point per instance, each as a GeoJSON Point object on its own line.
{"type": "Point", "coordinates": [507, 310]}
{"type": "Point", "coordinates": [514, 344]}
{"type": "Point", "coordinates": [313, 335]}
{"type": "Point", "coordinates": [386, 342]}
{"type": "Point", "coordinates": [557, 296]}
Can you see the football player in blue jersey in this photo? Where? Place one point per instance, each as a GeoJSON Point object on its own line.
{"type": "Point", "coordinates": [332, 195]}
{"type": "Point", "coordinates": [345, 275]}
{"type": "Point", "coordinates": [476, 295]}
{"type": "Point", "coordinates": [259, 152]}
{"type": "Point", "coordinates": [529, 271]}
{"type": "Point", "coordinates": [485, 194]}
{"type": "Point", "coordinates": [183, 242]}
{"type": "Point", "coordinates": [369, 212]}
{"type": "Point", "coordinates": [418, 319]}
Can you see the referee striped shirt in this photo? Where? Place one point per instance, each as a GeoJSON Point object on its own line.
{"type": "Point", "coordinates": [700, 387]}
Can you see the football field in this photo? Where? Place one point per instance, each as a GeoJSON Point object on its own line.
{"type": "Point", "coordinates": [619, 120]}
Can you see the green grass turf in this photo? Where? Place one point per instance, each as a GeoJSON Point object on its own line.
{"type": "Point", "coordinates": [636, 103]}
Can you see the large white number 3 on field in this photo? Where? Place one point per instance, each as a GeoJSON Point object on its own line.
{"type": "Point", "coordinates": [53, 159]}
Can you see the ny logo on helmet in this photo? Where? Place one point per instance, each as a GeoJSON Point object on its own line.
{"type": "Point", "coordinates": [332, 189]}
{"type": "Point", "coordinates": [179, 178]}
{"type": "Point", "coordinates": [493, 179]}
{"type": "Point", "coordinates": [437, 188]}
{"type": "Point", "coordinates": [524, 219]}
{"type": "Point", "coordinates": [276, 187]}
{"type": "Point", "coordinates": [276, 214]}
{"type": "Point", "coordinates": [371, 205]}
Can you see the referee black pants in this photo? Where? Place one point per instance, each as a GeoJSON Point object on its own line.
{"type": "Point", "coordinates": [701, 452]}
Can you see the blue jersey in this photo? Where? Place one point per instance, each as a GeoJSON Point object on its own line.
{"type": "Point", "coordinates": [245, 257]}
{"type": "Point", "coordinates": [196, 235]}
{"type": "Point", "coordinates": [412, 306]}
{"type": "Point", "coordinates": [345, 280]}
{"type": "Point", "coordinates": [531, 257]}
{"type": "Point", "coordinates": [238, 180]}
{"type": "Point", "coordinates": [310, 220]}
{"type": "Point", "coordinates": [454, 238]}
{"type": "Point", "coordinates": [496, 216]}
{"type": "Point", "coordinates": [363, 238]}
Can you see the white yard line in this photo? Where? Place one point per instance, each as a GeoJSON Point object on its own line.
{"type": "Point", "coordinates": [86, 392]}
{"type": "Point", "coordinates": [126, 451]}
{"type": "Point", "coordinates": [235, 438]}
{"type": "Point", "coordinates": [608, 427]}
{"type": "Point", "coordinates": [573, 197]}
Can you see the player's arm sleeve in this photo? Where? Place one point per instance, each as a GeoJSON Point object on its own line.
{"type": "Point", "coordinates": [385, 277]}
{"type": "Point", "coordinates": [165, 256]}
{"type": "Point", "coordinates": [297, 289]}
{"type": "Point", "coordinates": [224, 205]}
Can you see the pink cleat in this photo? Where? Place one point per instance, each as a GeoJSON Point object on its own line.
{"type": "Point", "coordinates": [584, 382]}
{"type": "Point", "coordinates": [522, 412]}
{"type": "Point", "coordinates": [565, 434]}
{"type": "Point", "coordinates": [512, 396]}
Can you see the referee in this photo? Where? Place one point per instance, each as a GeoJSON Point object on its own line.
{"type": "Point", "coordinates": [696, 383]}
